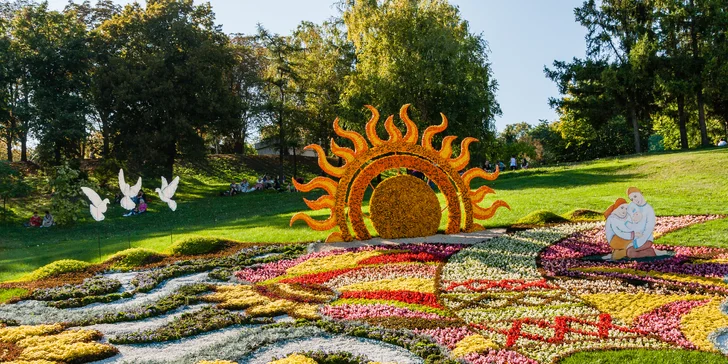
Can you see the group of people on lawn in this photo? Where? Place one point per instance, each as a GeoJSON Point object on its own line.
{"type": "Point", "coordinates": [489, 167]}
{"type": "Point", "coordinates": [141, 204]}
{"type": "Point", "coordinates": [43, 222]}
{"type": "Point", "coordinates": [263, 183]}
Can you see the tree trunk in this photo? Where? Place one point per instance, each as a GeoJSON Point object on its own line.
{"type": "Point", "coordinates": [704, 141]}
{"type": "Point", "coordinates": [281, 135]}
{"type": "Point", "coordinates": [105, 135]}
{"type": "Point", "coordinates": [24, 146]}
{"type": "Point", "coordinates": [698, 70]}
{"type": "Point", "coordinates": [682, 121]}
{"type": "Point", "coordinates": [171, 156]}
{"type": "Point", "coordinates": [9, 142]}
{"type": "Point", "coordinates": [295, 167]}
{"type": "Point", "coordinates": [636, 128]}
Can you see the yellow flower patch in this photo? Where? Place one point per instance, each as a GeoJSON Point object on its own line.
{"type": "Point", "coordinates": [293, 291]}
{"type": "Point", "coordinates": [294, 359]}
{"type": "Point", "coordinates": [45, 344]}
{"type": "Point", "coordinates": [473, 344]}
{"type": "Point", "coordinates": [17, 333]}
{"type": "Point", "coordinates": [628, 306]}
{"type": "Point", "coordinates": [424, 285]}
{"type": "Point", "coordinates": [331, 262]}
{"type": "Point", "coordinates": [701, 321]}
{"type": "Point", "coordinates": [669, 276]}
{"type": "Point", "coordinates": [236, 297]}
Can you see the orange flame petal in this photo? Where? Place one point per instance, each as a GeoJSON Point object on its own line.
{"type": "Point", "coordinates": [327, 184]}
{"type": "Point", "coordinates": [412, 132]}
{"type": "Point", "coordinates": [335, 237]}
{"type": "Point", "coordinates": [394, 134]}
{"type": "Point", "coordinates": [346, 153]}
{"type": "Point", "coordinates": [431, 131]}
{"type": "Point", "coordinates": [464, 158]}
{"type": "Point", "coordinates": [486, 213]}
{"type": "Point", "coordinates": [323, 202]}
{"type": "Point", "coordinates": [479, 194]}
{"type": "Point", "coordinates": [360, 144]}
{"type": "Point", "coordinates": [446, 150]}
{"type": "Point", "coordinates": [371, 127]}
{"type": "Point", "coordinates": [324, 163]}
{"type": "Point", "coordinates": [317, 225]}
{"type": "Point", "coordinates": [477, 172]}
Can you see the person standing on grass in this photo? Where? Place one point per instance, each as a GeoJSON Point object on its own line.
{"type": "Point", "coordinates": [514, 163]}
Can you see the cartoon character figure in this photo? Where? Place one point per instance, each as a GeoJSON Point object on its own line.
{"type": "Point", "coordinates": [619, 236]}
{"type": "Point", "coordinates": [642, 222]}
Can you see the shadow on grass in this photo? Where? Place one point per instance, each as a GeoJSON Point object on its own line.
{"type": "Point", "coordinates": [571, 177]}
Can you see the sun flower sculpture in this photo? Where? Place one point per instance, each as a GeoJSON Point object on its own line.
{"type": "Point", "coordinates": [401, 206]}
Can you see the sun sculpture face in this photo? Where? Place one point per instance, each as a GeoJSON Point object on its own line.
{"type": "Point", "coordinates": [414, 209]}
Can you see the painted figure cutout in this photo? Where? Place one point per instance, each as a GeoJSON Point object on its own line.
{"type": "Point", "coordinates": [629, 227]}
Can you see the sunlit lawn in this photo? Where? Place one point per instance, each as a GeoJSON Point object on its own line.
{"type": "Point", "coordinates": [675, 184]}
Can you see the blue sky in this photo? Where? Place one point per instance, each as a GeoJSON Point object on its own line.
{"type": "Point", "coordinates": [524, 35]}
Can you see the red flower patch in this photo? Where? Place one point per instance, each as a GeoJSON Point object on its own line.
{"type": "Point", "coordinates": [479, 285]}
{"type": "Point", "coordinates": [317, 278]}
{"type": "Point", "coordinates": [419, 298]}
{"type": "Point", "coordinates": [402, 258]}
{"type": "Point", "coordinates": [561, 326]}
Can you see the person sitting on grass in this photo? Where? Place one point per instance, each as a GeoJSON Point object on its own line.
{"type": "Point", "coordinates": [140, 208]}
{"type": "Point", "coordinates": [722, 142]}
{"type": "Point", "coordinates": [524, 164]}
{"type": "Point", "coordinates": [47, 220]}
{"type": "Point", "coordinates": [35, 220]}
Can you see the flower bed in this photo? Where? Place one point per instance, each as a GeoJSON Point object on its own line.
{"type": "Point", "coordinates": [535, 296]}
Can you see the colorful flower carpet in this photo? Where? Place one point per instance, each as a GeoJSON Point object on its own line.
{"type": "Point", "coordinates": [534, 296]}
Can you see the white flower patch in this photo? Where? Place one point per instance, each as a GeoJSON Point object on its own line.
{"type": "Point", "coordinates": [36, 312]}
{"type": "Point", "coordinates": [151, 323]}
{"type": "Point", "coordinates": [373, 350]}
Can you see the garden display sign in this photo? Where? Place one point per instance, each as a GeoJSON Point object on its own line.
{"type": "Point", "coordinates": [403, 205]}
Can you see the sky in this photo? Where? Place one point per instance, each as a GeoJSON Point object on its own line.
{"type": "Point", "coordinates": [523, 35]}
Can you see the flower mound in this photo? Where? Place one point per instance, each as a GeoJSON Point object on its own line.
{"type": "Point", "coordinates": [404, 215]}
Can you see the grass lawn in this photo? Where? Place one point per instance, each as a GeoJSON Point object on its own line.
{"type": "Point", "coordinates": [645, 356]}
{"type": "Point", "coordinates": [674, 183]}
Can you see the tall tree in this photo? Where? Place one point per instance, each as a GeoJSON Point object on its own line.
{"type": "Point", "coordinates": [55, 60]}
{"type": "Point", "coordinates": [168, 65]}
{"type": "Point", "coordinates": [246, 82]}
{"type": "Point", "coordinates": [323, 62]}
{"type": "Point", "coordinates": [101, 84]}
{"type": "Point", "coordinates": [279, 78]}
{"type": "Point", "coordinates": [420, 52]}
{"type": "Point", "coordinates": [620, 65]}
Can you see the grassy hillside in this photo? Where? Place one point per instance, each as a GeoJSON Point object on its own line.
{"type": "Point", "coordinates": [675, 184]}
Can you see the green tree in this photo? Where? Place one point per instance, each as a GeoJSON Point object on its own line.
{"type": "Point", "coordinates": [420, 52]}
{"type": "Point", "coordinates": [324, 61]}
{"type": "Point", "coordinates": [282, 104]}
{"type": "Point", "coordinates": [247, 83]}
{"type": "Point", "coordinates": [621, 50]}
{"type": "Point", "coordinates": [12, 185]}
{"type": "Point", "coordinates": [167, 69]}
{"type": "Point", "coordinates": [55, 61]}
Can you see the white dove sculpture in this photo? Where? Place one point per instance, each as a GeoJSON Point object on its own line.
{"type": "Point", "coordinates": [128, 191]}
{"type": "Point", "coordinates": [166, 192]}
{"type": "Point", "coordinates": [97, 206]}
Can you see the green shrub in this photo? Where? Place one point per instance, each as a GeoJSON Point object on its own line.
{"type": "Point", "coordinates": [10, 294]}
{"type": "Point", "coordinates": [541, 217]}
{"type": "Point", "coordinates": [583, 215]}
{"type": "Point", "coordinates": [134, 257]}
{"type": "Point", "coordinates": [199, 245]}
{"type": "Point", "coordinates": [57, 268]}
